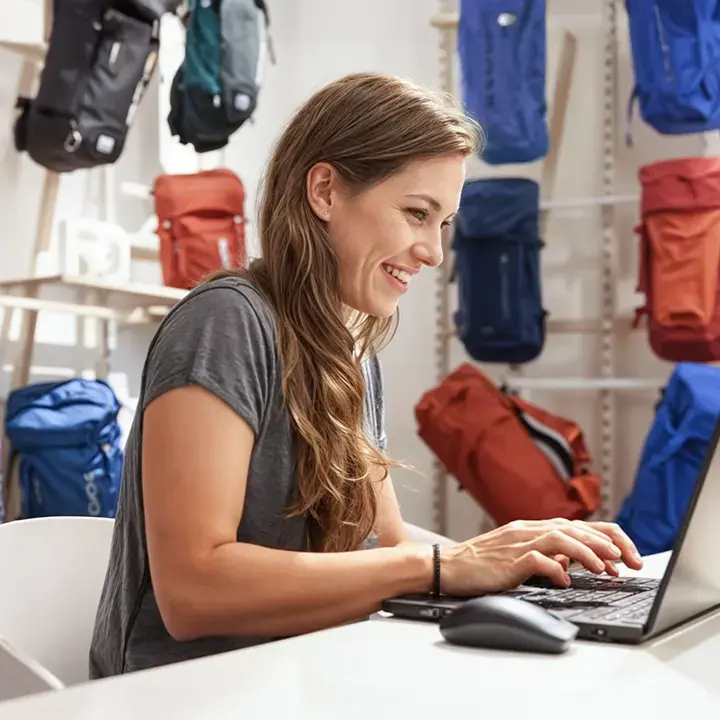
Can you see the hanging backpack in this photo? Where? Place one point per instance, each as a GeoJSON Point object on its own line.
{"type": "Point", "coordinates": [502, 53]}
{"type": "Point", "coordinates": [518, 461]}
{"type": "Point", "coordinates": [675, 49]}
{"type": "Point", "coordinates": [97, 68]}
{"type": "Point", "coordinates": [62, 450]}
{"type": "Point", "coordinates": [680, 258]}
{"type": "Point", "coordinates": [201, 224]}
{"type": "Point", "coordinates": [672, 457]}
{"type": "Point", "coordinates": [500, 316]}
{"type": "Point", "coordinates": [215, 90]}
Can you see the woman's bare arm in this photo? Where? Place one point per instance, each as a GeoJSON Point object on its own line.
{"type": "Point", "coordinates": [390, 526]}
{"type": "Point", "coordinates": [196, 453]}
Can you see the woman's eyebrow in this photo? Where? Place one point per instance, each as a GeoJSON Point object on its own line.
{"type": "Point", "coordinates": [434, 204]}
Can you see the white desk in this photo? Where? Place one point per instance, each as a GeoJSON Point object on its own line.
{"type": "Point", "coordinates": [396, 669]}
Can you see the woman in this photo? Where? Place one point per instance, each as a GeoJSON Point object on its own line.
{"type": "Point", "coordinates": [256, 469]}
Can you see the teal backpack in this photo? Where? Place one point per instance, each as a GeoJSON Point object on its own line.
{"type": "Point", "coordinates": [215, 90]}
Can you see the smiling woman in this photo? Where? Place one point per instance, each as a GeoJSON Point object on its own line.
{"type": "Point", "coordinates": [391, 230]}
{"type": "Point", "coordinates": [256, 469]}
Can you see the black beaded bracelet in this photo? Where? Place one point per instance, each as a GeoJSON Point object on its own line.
{"type": "Point", "coordinates": [436, 571]}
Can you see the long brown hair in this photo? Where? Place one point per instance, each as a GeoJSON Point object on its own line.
{"type": "Point", "coordinates": [368, 127]}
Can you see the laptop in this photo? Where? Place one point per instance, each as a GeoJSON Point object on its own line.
{"type": "Point", "coordinates": [627, 609]}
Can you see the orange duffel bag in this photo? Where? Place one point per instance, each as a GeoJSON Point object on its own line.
{"type": "Point", "coordinates": [518, 461]}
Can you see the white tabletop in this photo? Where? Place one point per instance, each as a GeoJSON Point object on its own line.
{"type": "Point", "coordinates": [388, 668]}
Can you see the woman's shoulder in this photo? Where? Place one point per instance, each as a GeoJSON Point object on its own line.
{"type": "Point", "coordinates": [220, 335]}
{"type": "Point", "coordinates": [232, 296]}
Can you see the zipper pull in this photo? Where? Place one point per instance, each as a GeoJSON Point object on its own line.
{"type": "Point", "coordinates": [224, 251]}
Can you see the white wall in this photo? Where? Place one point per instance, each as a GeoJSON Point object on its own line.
{"type": "Point", "coordinates": [316, 41]}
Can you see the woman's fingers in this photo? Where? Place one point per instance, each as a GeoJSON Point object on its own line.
{"type": "Point", "coordinates": [592, 534]}
{"type": "Point", "coordinates": [563, 560]}
{"type": "Point", "coordinates": [557, 542]}
{"type": "Point", "coordinates": [601, 544]}
{"type": "Point", "coordinates": [528, 530]}
{"type": "Point", "coordinates": [534, 562]}
{"type": "Point", "coordinates": [630, 555]}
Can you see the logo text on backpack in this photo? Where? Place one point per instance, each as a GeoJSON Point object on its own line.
{"type": "Point", "coordinates": [91, 491]}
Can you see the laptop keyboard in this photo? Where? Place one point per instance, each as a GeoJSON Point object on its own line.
{"type": "Point", "coordinates": [592, 598]}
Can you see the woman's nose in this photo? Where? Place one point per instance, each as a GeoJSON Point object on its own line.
{"type": "Point", "coordinates": [430, 253]}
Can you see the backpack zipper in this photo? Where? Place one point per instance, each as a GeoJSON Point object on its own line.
{"type": "Point", "coordinates": [504, 286]}
{"type": "Point", "coordinates": [551, 444]}
{"type": "Point", "coordinates": [669, 76]}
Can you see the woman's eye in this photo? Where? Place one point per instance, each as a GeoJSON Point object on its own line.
{"type": "Point", "coordinates": [419, 214]}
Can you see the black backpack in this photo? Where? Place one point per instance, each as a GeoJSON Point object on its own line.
{"type": "Point", "coordinates": [215, 90]}
{"type": "Point", "coordinates": [101, 57]}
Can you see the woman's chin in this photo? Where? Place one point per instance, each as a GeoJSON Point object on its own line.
{"type": "Point", "coordinates": [381, 308]}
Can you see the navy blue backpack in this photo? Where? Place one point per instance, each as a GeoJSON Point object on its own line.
{"type": "Point", "coordinates": [672, 457]}
{"type": "Point", "coordinates": [502, 51]}
{"type": "Point", "coordinates": [65, 439]}
{"type": "Point", "coordinates": [676, 58]}
{"type": "Point", "coordinates": [500, 316]}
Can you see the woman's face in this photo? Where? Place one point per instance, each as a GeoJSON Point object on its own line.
{"type": "Point", "coordinates": [385, 235]}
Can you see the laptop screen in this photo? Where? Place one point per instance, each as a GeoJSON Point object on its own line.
{"type": "Point", "coordinates": [691, 584]}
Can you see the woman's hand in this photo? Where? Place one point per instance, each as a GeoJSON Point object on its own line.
{"type": "Point", "coordinates": [505, 557]}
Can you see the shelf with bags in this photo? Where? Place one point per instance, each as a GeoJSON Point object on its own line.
{"type": "Point", "coordinates": [610, 324]}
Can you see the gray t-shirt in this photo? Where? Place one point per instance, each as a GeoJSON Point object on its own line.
{"type": "Point", "coordinates": [220, 336]}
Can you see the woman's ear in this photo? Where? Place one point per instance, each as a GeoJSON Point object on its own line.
{"type": "Point", "coordinates": [319, 184]}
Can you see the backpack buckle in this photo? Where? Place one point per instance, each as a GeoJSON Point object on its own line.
{"type": "Point", "coordinates": [72, 141]}
{"type": "Point", "coordinates": [639, 313]}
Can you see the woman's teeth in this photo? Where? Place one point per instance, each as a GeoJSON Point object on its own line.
{"type": "Point", "coordinates": [401, 275]}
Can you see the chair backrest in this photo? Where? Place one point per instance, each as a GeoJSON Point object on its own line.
{"type": "Point", "coordinates": [21, 675]}
{"type": "Point", "coordinates": [51, 575]}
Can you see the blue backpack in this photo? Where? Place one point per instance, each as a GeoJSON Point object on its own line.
{"type": "Point", "coordinates": [676, 58]}
{"type": "Point", "coordinates": [502, 52]}
{"type": "Point", "coordinates": [500, 316]}
{"type": "Point", "coordinates": [66, 438]}
{"type": "Point", "coordinates": [672, 456]}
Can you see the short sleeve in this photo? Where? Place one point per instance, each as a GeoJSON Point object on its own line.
{"type": "Point", "coordinates": [221, 338]}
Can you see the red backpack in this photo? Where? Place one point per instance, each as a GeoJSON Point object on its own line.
{"type": "Point", "coordinates": [680, 258]}
{"type": "Point", "coordinates": [201, 224]}
{"type": "Point", "coordinates": [518, 461]}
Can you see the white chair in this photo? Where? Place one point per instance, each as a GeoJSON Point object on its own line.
{"type": "Point", "coordinates": [51, 575]}
{"type": "Point", "coordinates": [21, 675]}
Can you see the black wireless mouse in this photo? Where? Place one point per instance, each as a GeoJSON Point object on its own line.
{"type": "Point", "coordinates": [507, 623]}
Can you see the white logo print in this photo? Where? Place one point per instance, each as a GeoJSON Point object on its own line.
{"type": "Point", "coordinates": [91, 491]}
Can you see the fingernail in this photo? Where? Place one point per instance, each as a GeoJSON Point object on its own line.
{"type": "Point", "coordinates": [615, 551]}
